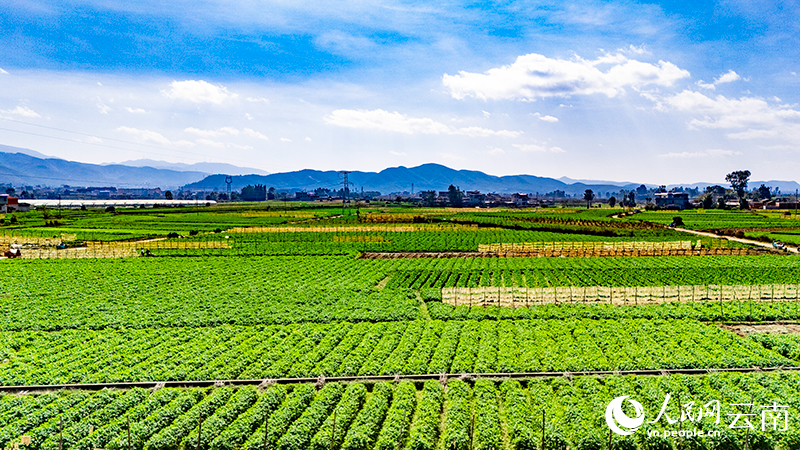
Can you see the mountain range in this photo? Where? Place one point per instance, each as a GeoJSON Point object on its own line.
{"type": "Point", "coordinates": [400, 179]}
{"type": "Point", "coordinates": [25, 167]}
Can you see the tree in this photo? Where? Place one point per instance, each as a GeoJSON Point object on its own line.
{"type": "Point", "coordinates": [454, 196]}
{"type": "Point", "coordinates": [632, 199]}
{"type": "Point", "coordinates": [738, 181]}
{"type": "Point", "coordinates": [428, 198]}
{"type": "Point", "coordinates": [168, 195]}
{"type": "Point", "coordinates": [708, 201]}
{"type": "Point", "coordinates": [588, 195]}
{"type": "Point", "coordinates": [10, 191]}
{"type": "Point", "coordinates": [612, 201]}
{"type": "Point", "coordinates": [257, 193]}
{"type": "Point", "coordinates": [716, 190]}
{"type": "Point", "coordinates": [763, 193]}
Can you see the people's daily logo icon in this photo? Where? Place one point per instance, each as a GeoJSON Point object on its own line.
{"type": "Point", "coordinates": [618, 421]}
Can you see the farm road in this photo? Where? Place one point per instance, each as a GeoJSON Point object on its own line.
{"type": "Point", "coordinates": [735, 239]}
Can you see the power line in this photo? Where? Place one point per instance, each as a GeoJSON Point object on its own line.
{"type": "Point", "coordinates": [68, 140]}
{"type": "Point", "coordinates": [86, 134]}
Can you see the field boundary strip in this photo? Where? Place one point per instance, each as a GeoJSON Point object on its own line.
{"type": "Point", "coordinates": [396, 378]}
{"type": "Point", "coordinates": [620, 296]}
{"type": "Point", "coordinates": [357, 228]}
{"type": "Point", "coordinates": [572, 253]}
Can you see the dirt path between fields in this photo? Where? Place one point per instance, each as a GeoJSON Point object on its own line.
{"type": "Point", "coordinates": [734, 239]}
{"type": "Point", "coordinates": [773, 328]}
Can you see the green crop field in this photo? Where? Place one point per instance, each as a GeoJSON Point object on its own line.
{"type": "Point", "coordinates": [459, 415]}
{"type": "Point", "coordinates": [273, 294]}
{"type": "Point", "coordinates": [709, 219]}
{"type": "Point", "coordinates": [345, 349]}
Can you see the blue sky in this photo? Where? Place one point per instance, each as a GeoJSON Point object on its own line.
{"type": "Point", "coordinates": [657, 92]}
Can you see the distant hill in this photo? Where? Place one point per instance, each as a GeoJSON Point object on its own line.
{"type": "Point", "coordinates": [25, 167]}
{"type": "Point", "coordinates": [204, 167]}
{"type": "Point", "coordinates": [786, 187]}
{"type": "Point", "coordinates": [399, 179]}
{"type": "Point", "coordinates": [24, 170]}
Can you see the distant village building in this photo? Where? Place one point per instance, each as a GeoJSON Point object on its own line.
{"type": "Point", "coordinates": [8, 203]}
{"type": "Point", "coordinates": [519, 199]}
{"type": "Point", "coordinates": [774, 204]}
{"type": "Point", "coordinates": [672, 200]}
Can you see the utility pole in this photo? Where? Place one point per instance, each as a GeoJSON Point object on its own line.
{"type": "Point", "coordinates": [345, 189]}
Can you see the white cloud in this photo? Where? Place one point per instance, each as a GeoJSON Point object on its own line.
{"type": "Point", "coordinates": [152, 136]}
{"type": "Point", "coordinates": [535, 76]}
{"type": "Point", "coordinates": [484, 132]}
{"type": "Point", "coordinates": [397, 153]}
{"type": "Point", "coordinates": [135, 110]}
{"type": "Point", "coordinates": [486, 114]}
{"type": "Point", "coordinates": [346, 43]}
{"type": "Point", "coordinates": [199, 91]}
{"type": "Point", "coordinates": [753, 117]}
{"type": "Point", "coordinates": [248, 116]}
{"type": "Point", "coordinates": [634, 50]}
{"type": "Point", "coordinates": [496, 151]}
{"type": "Point", "coordinates": [3, 72]}
{"type": "Point", "coordinates": [93, 140]}
{"type": "Point", "coordinates": [724, 78]}
{"type": "Point", "coordinates": [252, 133]}
{"type": "Point", "coordinates": [727, 78]}
{"type": "Point", "coordinates": [241, 147]}
{"type": "Point", "coordinates": [145, 135]}
{"type": "Point", "coordinates": [23, 111]}
{"type": "Point", "coordinates": [210, 143]}
{"type": "Point", "coordinates": [706, 85]}
{"type": "Point", "coordinates": [536, 148]}
{"type": "Point", "coordinates": [308, 139]}
{"type": "Point", "coordinates": [400, 123]}
{"type": "Point", "coordinates": [385, 121]}
{"type": "Point", "coordinates": [548, 118]}
{"type": "Point", "coordinates": [103, 108]}
{"type": "Point", "coordinates": [224, 131]}
{"type": "Point", "coordinates": [286, 140]}
{"type": "Point", "coordinates": [257, 100]}
{"type": "Point", "coordinates": [714, 153]}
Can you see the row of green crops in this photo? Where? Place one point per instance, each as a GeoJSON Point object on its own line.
{"type": "Point", "coordinates": [158, 292]}
{"type": "Point", "coordinates": [707, 311]}
{"type": "Point", "coordinates": [346, 241]}
{"type": "Point", "coordinates": [787, 345]}
{"type": "Point", "coordinates": [346, 349]}
{"type": "Point", "coordinates": [732, 411]}
{"type": "Point", "coordinates": [547, 272]}
{"type": "Point", "coordinates": [706, 219]}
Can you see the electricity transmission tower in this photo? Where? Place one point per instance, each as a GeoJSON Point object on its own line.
{"type": "Point", "coordinates": [345, 191]}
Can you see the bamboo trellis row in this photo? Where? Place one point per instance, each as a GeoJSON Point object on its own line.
{"type": "Point", "coordinates": [591, 249]}
{"type": "Point", "coordinates": [621, 296]}
{"type": "Point", "coordinates": [116, 249]}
